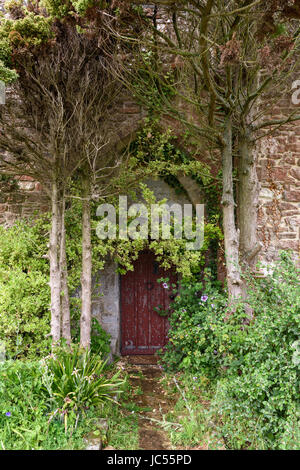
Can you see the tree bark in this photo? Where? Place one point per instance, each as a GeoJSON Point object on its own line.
{"type": "Point", "coordinates": [65, 300]}
{"type": "Point", "coordinates": [55, 275]}
{"type": "Point", "coordinates": [86, 276]}
{"type": "Point", "coordinates": [231, 234]}
{"type": "Point", "coordinates": [248, 193]}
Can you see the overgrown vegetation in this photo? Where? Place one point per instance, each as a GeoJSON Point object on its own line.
{"type": "Point", "coordinates": [43, 403]}
{"type": "Point", "coordinates": [24, 281]}
{"type": "Point", "coordinates": [59, 402]}
{"type": "Point", "coordinates": [253, 365]}
{"type": "Point", "coordinates": [75, 381]}
{"type": "Point", "coordinates": [189, 423]}
{"type": "Point", "coordinates": [226, 64]}
{"type": "Point", "coordinates": [24, 284]}
{"type": "Point", "coordinates": [24, 274]}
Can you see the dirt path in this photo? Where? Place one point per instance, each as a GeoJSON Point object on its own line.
{"type": "Point", "coordinates": [151, 434]}
{"type": "Point", "coordinates": [152, 404]}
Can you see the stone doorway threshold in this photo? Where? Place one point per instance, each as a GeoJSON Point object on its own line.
{"type": "Point", "coordinates": [141, 359]}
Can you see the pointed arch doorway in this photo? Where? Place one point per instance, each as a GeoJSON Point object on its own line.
{"type": "Point", "coordinates": [143, 330]}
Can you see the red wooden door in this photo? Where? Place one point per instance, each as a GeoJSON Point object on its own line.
{"type": "Point", "coordinates": [143, 330]}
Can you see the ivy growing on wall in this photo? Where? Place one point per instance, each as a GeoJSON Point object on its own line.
{"type": "Point", "coordinates": [154, 144]}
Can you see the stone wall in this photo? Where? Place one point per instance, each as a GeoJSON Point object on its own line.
{"type": "Point", "coordinates": [27, 195]}
{"type": "Point", "coordinates": [106, 307]}
{"type": "Point", "coordinates": [24, 198]}
{"type": "Point", "coordinates": [279, 209]}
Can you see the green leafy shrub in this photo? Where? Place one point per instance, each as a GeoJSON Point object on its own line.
{"type": "Point", "coordinates": [192, 340]}
{"type": "Point", "coordinates": [100, 340]}
{"type": "Point", "coordinates": [25, 290]}
{"type": "Point", "coordinates": [24, 284]}
{"type": "Point", "coordinates": [261, 388]}
{"type": "Point", "coordinates": [25, 293]}
{"type": "Point", "coordinates": [254, 363]}
{"type": "Point", "coordinates": [28, 30]}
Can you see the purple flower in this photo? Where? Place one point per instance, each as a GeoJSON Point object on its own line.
{"type": "Point", "coordinates": [213, 305]}
{"type": "Point", "coordinates": [165, 285]}
{"type": "Point", "coordinates": [8, 413]}
{"type": "Point", "coordinates": [194, 378]}
{"type": "Point", "coordinates": [204, 298]}
{"type": "Point", "coordinates": [183, 310]}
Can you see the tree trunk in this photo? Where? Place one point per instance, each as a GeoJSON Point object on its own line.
{"type": "Point", "coordinates": [86, 276]}
{"type": "Point", "coordinates": [248, 192]}
{"type": "Point", "coordinates": [65, 300]}
{"type": "Point", "coordinates": [55, 275]}
{"type": "Point", "coordinates": [231, 234]}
